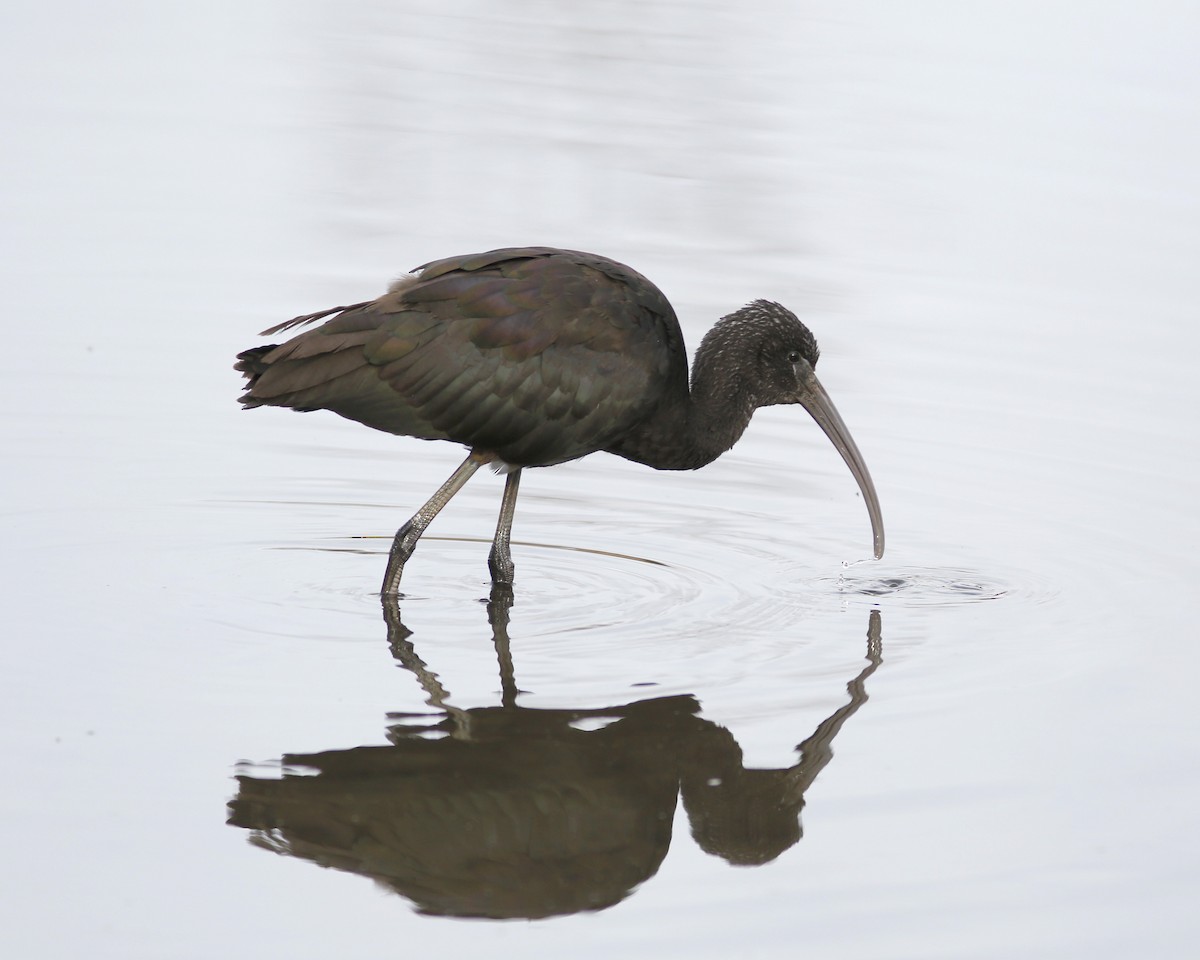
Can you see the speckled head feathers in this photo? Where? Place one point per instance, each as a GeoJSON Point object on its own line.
{"type": "Point", "coordinates": [776, 323]}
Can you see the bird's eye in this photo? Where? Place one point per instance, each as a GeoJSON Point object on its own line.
{"type": "Point", "coordinates": [794, 356]}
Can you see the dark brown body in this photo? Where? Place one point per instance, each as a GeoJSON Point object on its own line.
{"type": "Point", "coordinates": [533, 354]}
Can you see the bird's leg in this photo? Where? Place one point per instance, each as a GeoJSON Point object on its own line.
{"type": "Point", "coordinates": [408, 535]}
{"type": "Point", "coordinates": [500, 559]}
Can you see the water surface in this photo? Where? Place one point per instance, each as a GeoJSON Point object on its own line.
{"type": "Point", "coordinates": [707, 723]}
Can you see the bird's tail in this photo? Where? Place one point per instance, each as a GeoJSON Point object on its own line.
{"type": "Point", "coordinates": [250, 364]}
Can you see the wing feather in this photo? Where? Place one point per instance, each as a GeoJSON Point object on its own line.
{"type": "Point", "coordinates": [534, 354]}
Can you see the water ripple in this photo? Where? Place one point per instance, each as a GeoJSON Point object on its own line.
{"type": "Point", "coordinates": [927, 587]}
{"type": "Point", "coordinates": [579, 587]}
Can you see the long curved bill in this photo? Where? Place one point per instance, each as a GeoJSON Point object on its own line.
{"type": "Point", "coordinates": [816, 401]}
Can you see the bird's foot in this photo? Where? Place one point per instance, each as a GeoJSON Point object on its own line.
{"type": "Point", "coordinates": [502, 567]}
{"type": "Point", "coordinates": [403, 545]}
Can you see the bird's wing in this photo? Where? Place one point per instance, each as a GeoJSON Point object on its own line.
{"type": "Point", "coordinates": [537, 355]}
{"type": "Point", "coordinates": [534, 354]}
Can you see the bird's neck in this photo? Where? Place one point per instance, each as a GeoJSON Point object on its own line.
{"type": "Point", "coordinates": [720, 408]}
{"type": "Point", "coordinates": [695, 426]}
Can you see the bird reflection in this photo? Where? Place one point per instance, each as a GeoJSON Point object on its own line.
{"type": "Point", "coordinates": [515, 812]}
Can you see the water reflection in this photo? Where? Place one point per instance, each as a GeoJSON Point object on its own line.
{"type": "Point", "coordinates": [514, 812]}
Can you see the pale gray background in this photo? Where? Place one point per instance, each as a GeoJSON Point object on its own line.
{"type": "Point", "coordinates": [989, 213]}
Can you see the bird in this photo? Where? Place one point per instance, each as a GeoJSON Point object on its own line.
{"type": "Point", "coordinates": [535, 356]}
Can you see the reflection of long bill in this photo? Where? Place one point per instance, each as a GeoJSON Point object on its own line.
{"type": "Point", "coordinates": [816, 401]}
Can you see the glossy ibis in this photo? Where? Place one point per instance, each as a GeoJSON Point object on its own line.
{"type": "Point", "coordinates": [532, 356]}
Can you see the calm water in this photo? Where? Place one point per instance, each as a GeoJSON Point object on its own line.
{"type": "Point", "coordinates": [708, 722]}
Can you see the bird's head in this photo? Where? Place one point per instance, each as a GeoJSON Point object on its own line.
{"type": "Point", "coordinates": [773, 357]}
{"type": "Point", "coordinates": [782, 351]}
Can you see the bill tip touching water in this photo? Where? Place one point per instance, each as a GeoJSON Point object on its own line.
{"type": "Point", "coordinates": [534, 356]}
